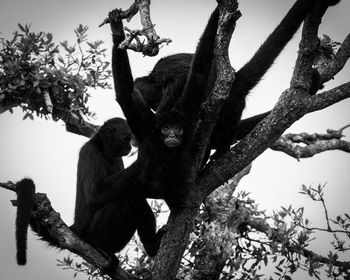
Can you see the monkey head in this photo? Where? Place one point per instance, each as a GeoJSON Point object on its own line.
{"type": "Point", "coordinates": [114, 138]}
{"type": "Point", "coordinates": [172, 134]}
{"type": "Point", "coordinates": [171, 129]}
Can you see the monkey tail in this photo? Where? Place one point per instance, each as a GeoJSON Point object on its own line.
{"type": "Point", "coordinates": [25, 201]}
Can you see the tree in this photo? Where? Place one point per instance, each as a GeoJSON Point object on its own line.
{"type": "Point", "coordinates": [294, 103]}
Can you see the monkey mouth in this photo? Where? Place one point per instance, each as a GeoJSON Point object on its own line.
{"type": "Point", "coordinates": [171, 143]}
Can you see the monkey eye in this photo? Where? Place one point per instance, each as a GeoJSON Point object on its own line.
{"type": "Point", "coordinates": [165, 128]}
{"type": "Point", "coordinates": [178, 130]}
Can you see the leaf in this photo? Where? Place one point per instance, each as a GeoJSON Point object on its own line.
{"type": "Point", "coordinates": [265, 260]}
{"type": "Point", "coordinates": [20, 26]}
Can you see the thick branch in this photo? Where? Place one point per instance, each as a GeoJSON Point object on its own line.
{"type": "Point", "coordinates": [225, 74]}
{"type": "Point", "coordinates": [208, 264]}
{"type": "Point", "coordinates": [308, 48]}
{"type": "Point", "coordinates": [174, 243]}
{"type": "Point", "coordinates": [311, 144]}
{"type": "Point", "coordinates": [328, 98]}
{"type": "Point", "coordinates": [329, 70]}
{"type": "Point", "coordinates": [79, 126]}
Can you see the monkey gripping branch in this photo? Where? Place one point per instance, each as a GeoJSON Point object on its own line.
{"type": "Point", "coordinates": [293, 104]}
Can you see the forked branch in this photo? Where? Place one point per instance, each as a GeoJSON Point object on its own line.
{"type": "Point", "coordinates": [133, 37]}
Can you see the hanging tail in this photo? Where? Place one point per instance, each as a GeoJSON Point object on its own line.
{"type": "Point", "coordinates": [25, 201]}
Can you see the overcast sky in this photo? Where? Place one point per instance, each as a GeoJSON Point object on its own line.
{"type": "Point", "coordinates": [44, 151]}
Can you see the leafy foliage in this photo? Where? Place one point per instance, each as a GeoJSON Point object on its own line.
{"type": "Point", "coordinates": [83, 267]}
{"type": "Point", "coordinates": [42, 76]}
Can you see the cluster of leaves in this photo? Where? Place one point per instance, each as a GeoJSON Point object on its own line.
{"type": "Point", "coordinates": [251, 244]}
{"type": "Point", "coordinates": [68, 263]}
{"type": "Point", "coordinates": [44, 77]}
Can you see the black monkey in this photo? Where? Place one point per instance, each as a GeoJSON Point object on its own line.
{"type": "Point", "coordinates": [163, 86]}
{"type": "Point", "coordinates": [167, 79]}
{"type": "Point", "coordinates": [161, 169]}
{"type": "Point", "coordinates": [99, 158]}
{"type": "Point", "coordinates": [110, 227]}
{"type": "Point", "coordinates": [164, 139]}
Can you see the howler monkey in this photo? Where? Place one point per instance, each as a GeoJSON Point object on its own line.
{"type": "Point", "coordinates": [163, 86]}
{"type": "Point", "coordinates": [110, 227]}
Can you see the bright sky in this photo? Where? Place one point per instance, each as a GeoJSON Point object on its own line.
{"type": "Point", "coordinates": [44, 151]}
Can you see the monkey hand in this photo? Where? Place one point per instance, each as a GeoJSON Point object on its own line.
{"type": "Point", "coordinates": [115, 22]}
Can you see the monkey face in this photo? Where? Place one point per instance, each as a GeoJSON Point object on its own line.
{"type": "Point", "coordinates": [172, 135]}
{"type": "Point", "coordinates": [115, 137]}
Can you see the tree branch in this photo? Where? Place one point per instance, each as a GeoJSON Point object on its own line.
{"type": "Point", "coordinates": [79, 126]}
{"type": "Point", "coordinates": [151, 48]}
{"type": "Point", "coordinates": [308, 47]}
{"type": "Point", "coordinates": [327, 98]}
{"type": "Point", "coordinates": [209, 264]}
{"type": "Point", "coordinates": [332, 67]}
{"type": "Point", "coordinates": [305, 145]}
{"type": "Point", "coordinates": [225, 74]}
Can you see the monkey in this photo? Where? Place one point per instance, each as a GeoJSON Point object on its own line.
{"type": "Point", "coordinates": [164, 139]}
{"type": "Point", "coordinates": [110, 227]}
{"type": "Point", "coordinates": [164, 85]}
{"type": "Point", "coordinates": [161, 170]}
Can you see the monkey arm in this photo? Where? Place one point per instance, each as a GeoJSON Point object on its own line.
{"type": "Point", "coordinates": [251, 73]}
{"type": "Point", "coordinates": [117, 185]}
{"type": "Point", "coordinates": [200, 70]}
{"type": "Point", "coordinates": [139, 116]}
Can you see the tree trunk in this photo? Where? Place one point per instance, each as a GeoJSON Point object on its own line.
{"type": "Point", "coordinates": [167, 261]}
